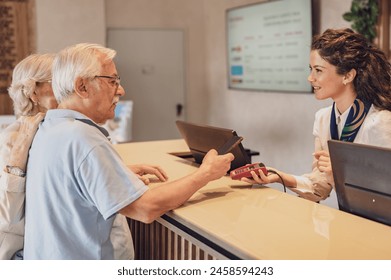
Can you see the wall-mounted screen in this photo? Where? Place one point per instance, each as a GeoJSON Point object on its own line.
{"type": "Point", "coordinates": [268, 46]}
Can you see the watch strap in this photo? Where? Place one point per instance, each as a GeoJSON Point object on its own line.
{"type": "Point", "coordinates": [14, 170]}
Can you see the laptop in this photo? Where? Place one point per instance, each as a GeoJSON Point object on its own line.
{"type": "Point", "coordinates": [362, 176]}
{"type": "Point", "coordinates": [201, 138]}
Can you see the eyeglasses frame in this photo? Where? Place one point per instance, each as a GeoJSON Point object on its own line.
{"type": "Point", "coordinates": [116, 78]}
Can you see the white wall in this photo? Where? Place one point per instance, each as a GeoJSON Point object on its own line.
{"type": "Point", "coordinates": [186, 15]}
{"type": "Point", "coordinates": [331, 12]}
{"type": "Point", "coordinates": [61, 23]}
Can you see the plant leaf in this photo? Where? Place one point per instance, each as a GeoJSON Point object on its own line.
{"type": "Point", "coordinates": [348, 16]}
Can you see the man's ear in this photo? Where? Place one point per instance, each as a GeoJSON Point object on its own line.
{"type": "Point", "coordinates": [81, 87]}
{"type": "Point", "coordinates": [349, 77]}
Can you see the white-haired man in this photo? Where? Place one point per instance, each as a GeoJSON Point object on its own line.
{"type": "Point", "coordinates": [80, 182]}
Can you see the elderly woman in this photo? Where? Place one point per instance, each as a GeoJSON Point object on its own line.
{"type": "Point", "coordinates": [32, 95]}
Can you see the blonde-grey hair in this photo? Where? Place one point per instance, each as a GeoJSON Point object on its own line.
{"type": "Point", "coordinates": [82, 60]}
{"type": "Point", "coordinates": [32, 69]}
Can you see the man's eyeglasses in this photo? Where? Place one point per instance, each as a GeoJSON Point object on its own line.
{"type": "Point", "coordinates": [114, 80]}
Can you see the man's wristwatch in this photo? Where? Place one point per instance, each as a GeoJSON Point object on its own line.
{"type": "Point", "coordinates": [14, 170]}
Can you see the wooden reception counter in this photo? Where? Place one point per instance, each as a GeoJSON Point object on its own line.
{"type": "Point", "coordinates": [231, 220]}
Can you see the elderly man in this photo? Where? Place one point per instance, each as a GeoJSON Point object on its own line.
{"type": "Point", "coordinates": [76, 183]}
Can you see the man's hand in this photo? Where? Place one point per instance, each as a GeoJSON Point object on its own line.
{"type": "Point", "coordinates": [142, 169]}
{"type": "Point", "coordinates": [215, 166]}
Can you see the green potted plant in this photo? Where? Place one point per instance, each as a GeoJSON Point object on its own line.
{"type": "Point", "coordinates": [364, 14]}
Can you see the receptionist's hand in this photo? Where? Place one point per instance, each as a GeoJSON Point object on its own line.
{"type": "Point", "coordinates": [323, 158]}
{"type": "Point", "coordinates": [262, 179]}
{"type": "Point", "coordinates": [324, 164]}
{"type": "Point", "coordinates": [143, 169]}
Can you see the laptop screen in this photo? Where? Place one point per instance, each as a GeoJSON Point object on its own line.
{"type": "Point", "coordinates": [201, 138]}
{"type": "Point", "coordinates": [362, 176]}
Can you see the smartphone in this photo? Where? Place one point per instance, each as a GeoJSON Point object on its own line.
{"type": "Point", "coordinates": [229, 145]}
{"type": "Point", "coordinates": [245, 171]}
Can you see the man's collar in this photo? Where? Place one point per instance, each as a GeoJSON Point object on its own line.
{"type": "Point", "coordinates": [67, 113]}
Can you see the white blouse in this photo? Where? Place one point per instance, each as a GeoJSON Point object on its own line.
{"type": "Point", "coordinates": [375, 130]}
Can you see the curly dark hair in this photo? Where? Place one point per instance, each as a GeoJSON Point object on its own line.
{"type": "Point", "coordinates": [347, 50]}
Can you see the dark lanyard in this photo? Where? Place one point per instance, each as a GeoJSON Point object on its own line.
{"type": "Point", "coordinates": [89, 122]}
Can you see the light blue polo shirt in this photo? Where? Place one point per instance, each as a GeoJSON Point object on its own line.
{"type": "Point", "coordinates": [76, 184]}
